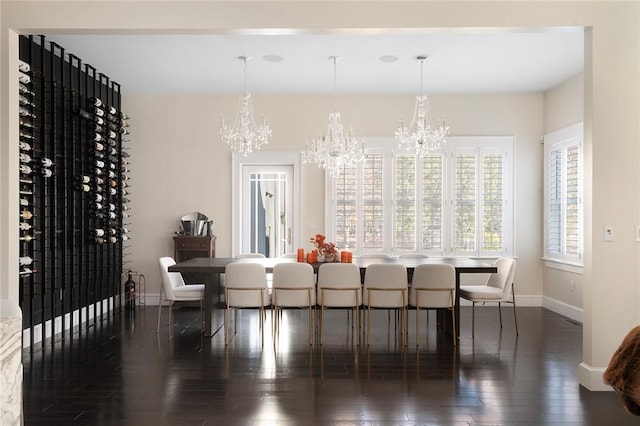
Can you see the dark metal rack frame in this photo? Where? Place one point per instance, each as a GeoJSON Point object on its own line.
{"type": "Point", "coordinates": [73, 270]}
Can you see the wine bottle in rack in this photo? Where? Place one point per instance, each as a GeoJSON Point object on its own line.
{"type": "Point", "coordinates": [46, 162]}
{"type": "Point", "coordinates": [99, 146]}
{"type": "Point", "coordinates": [98, 232]}
{"type": "Point", "coordinates": [24, 202]}
{"type": "Point", "coordinates": [84, 114]}
{"type": "Point", "coordinates": [24, 78]}
{"type": "Point", "coordinates": [95, 102]}
{"type": "Point", "coordinates": [26, 113]}
{"type": "Point", "coordinates": [25, 169]}
{"type": "Point", "coordinates": [24, 136]}
{"type": "Point", "coordinates": [25, 260]}
{"type": "Point", "coordinates": [27, 238]}
{"type": "Point", "coordinates": [27, 271]}
{"type": "Point", "coordinates": [23, 66]}
{"type": "Point", "coordinates": [24, 226]}
{"type": "Point", "coordinates": [24, 90]}
{"type": "Point", "coordinates": [25, 146]}
{"type": "Point", "coordinates": [24, 158]}
{"type": "Point", "coordinates": [99, 112]}
{"type": "Point", "coordinates": [25, 101]}
{"type": "Point", "coordinates": [26, 214]}
{"type": "Point", "coordinates": [26, 123]}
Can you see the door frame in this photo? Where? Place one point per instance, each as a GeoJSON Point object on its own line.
{"type": "Point", "coordinates": [264, 158]}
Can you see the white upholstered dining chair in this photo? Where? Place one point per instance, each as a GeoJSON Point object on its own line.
{"type": "Point", "coordinates": [174, 290]}
{"type": "Point", "coordinates": [499, 289]}
{"type": "Point", "coordinates": [245, 287]}
{"type": "Point", "coordinates": [433, 287]}
{"type": "Point", "coordinates": [339, 286]}
{"type": "Point", "coordinates": [386, 287]}
{"type": "Point", "coordinates": [294, 286]}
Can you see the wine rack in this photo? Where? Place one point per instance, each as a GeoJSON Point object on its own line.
{"type": "Point", "coordinates": [73, 192]}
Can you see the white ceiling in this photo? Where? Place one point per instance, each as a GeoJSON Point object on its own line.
{"type": "Point", "coordinates": [469, 61]}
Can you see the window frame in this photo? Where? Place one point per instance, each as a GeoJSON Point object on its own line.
{"type": "Point", "coordinates": [479, 145]}
{"type": "Point", "coordinates": [563, 139]}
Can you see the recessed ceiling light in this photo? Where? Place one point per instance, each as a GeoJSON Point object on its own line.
{"type": "Point", "coordinates": [388, 58]}
{"type": "Point", "coordinates": [273, 58]}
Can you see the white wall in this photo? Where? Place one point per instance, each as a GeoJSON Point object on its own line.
{"type": "Point", "coordinates": [612, 107]}
{"type": "Point", "coordinates": [563, 106]}
{"type": "Point", "coordinates": [179, 164]}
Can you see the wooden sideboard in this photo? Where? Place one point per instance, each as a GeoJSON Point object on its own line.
{"type": "Point", "coordinates": [188, 247]}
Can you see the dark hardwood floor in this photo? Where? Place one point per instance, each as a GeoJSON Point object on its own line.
{"type": "Point", "coordinates": [123, 373]}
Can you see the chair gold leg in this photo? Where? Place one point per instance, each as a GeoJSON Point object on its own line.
{"type": "Point", "coordinates": [418, 326]}
{"type": "Point", "coordinates": [368, 325]}
{"type": "Point", "coordinates": [473, 319]}
{"type": "Point", "coordinates": [159, 312]}
{"type": "Point", "coordinates": [226, 326]}
{"type": "Point", "coordinates": [515, 318]}
{"type": "Point", "coordinates": [453, 328]}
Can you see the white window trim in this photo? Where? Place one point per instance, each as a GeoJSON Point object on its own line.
{"type": "Point", "coordinates": [389, 147]}
{"type": "Point", "coordinates": [563, 138]}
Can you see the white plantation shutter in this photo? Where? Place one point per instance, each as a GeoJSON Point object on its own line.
{"type": "Point", "coordinates": [493, 203]}
{"type": "Point", "coordinates": [372, 235]}
{"type": "Point", "coordinates": [432, 204]}
{"type": "Point", "coordinates": [465, 203]}
{"type": "Point", "coordinates": [405, 223]}
{"type": "Point", "coordinates": [563, 195]}
{"type": "Point", "coordinates": [345, 210]}
{"type": "Point", "coordinates": [455, 201]}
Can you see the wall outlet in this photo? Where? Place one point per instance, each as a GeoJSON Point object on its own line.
{"type": "Point", "coordinates": [607, 233]}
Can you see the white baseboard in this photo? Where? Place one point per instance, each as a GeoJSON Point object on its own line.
{"type": "Point", "coordinates": [78, 315]}
{"type": "Point", "coordinates": [591, 378]}
{"type": "Point", "coordinates": [529, 301]}
{"type": "Point", "coordinates": [562, 308]}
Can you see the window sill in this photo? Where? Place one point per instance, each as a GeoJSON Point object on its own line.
{"type": "Point", "coordinates": [563, 266]}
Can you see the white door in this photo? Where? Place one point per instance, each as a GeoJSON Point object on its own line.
{"type": "Point", "coordinates": [255, 173]}
{"type": "Point", "coordinates": [267, 209]}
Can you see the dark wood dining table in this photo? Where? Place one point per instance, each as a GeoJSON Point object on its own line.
{"type": "Point", "coordinates": [210, 269]}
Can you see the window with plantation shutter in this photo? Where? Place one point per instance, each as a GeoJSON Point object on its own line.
{"type": "Point", "coordinates": [452, 202]}
{"type": "Point", "coordinates": [563, 195]}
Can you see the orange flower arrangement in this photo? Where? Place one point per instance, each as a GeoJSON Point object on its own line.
{"type": "Point", "coordinates": [326, 249]}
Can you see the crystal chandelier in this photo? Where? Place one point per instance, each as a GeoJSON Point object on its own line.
{"type": "Point", "coordinates": [245, 135]}
{"type": "Point", "coordinates": [422, 137]}
{"type": "Point", "coordinates": [337, 149]}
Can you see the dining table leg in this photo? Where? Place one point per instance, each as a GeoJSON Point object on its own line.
{"type": "Point", "coordinates": [446, 316]}
{"type": "Point", "coordinates": [213, 307]}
